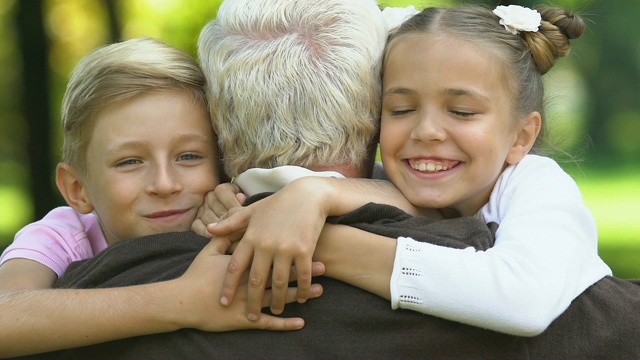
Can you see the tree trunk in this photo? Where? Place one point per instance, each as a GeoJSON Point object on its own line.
{"type": "Point", "coordinates": [35, 103]}
{"type": "Point", "coordinates": [114, 21]}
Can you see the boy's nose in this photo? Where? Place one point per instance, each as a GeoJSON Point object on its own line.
{"type": "Point", "coordinates": [165, 182]}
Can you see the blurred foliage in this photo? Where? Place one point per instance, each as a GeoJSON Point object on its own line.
{"type": "Point", "coordinates": [593, 107]}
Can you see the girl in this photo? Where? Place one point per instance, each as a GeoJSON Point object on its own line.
{"type": "Point", "coordinates": [462, 108]}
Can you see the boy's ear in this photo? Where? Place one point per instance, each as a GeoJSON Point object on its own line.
{"type": "Point", "coordinates": [526, 138]}
{"type": "Point", "coordinates": [73, 188]}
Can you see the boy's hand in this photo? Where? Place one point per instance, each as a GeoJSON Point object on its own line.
{"type": "Point", "coordinates": [216, 205]}
{"type": "Point", "coordinates": [204, 278]}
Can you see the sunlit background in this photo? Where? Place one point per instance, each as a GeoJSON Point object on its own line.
{"type": "Point", "coordinates": [593, 100]}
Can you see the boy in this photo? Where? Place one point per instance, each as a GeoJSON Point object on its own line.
{"type": "Point", "coordinates": [138, 158]}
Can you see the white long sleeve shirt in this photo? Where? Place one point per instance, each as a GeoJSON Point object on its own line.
{"type": "Point", "coordinates": [545, 255]}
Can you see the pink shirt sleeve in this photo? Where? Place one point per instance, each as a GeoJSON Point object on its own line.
{"type": "Point", "coordinates": [60, 238]}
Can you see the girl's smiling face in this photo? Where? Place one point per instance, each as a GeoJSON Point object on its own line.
{"type": "Point", "coordinates": [448, 128]}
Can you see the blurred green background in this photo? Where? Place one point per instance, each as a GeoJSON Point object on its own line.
{"type": "Point", "coordinates": [593, 100]}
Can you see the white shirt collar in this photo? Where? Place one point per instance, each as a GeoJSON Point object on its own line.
{"type": "Point", "coordinates": [257, 180]}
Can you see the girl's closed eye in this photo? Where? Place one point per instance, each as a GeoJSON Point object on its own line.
{"type": "Point", "coordinates": [400, 112]}
{"type": "Point", "coordinates": [463, 114]}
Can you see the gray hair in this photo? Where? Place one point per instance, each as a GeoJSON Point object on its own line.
{"type": "Point", "coordinates": [294, 82]}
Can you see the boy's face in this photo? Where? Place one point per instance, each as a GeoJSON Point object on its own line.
{"type": "Point", "coordinates": [447, 128]}
{"type": "Point", "coordinates": [150, 161]}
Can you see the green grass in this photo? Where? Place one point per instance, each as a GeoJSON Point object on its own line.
{"type": "Point", "coordinates": [614, 199]}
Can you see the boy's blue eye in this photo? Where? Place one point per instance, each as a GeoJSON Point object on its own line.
{"type": "Point", "coordinates": [128, 162]}
{"type": "Point", "coordinates": [189, 156]}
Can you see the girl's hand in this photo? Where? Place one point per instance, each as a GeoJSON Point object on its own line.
{"type": "Point", "coordinates": [217, 204]}
{"type": "Point", "coordinates": [281, 230]}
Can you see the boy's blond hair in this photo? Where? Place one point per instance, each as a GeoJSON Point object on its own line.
{"type": "Point", "coordinates": [119, 72]}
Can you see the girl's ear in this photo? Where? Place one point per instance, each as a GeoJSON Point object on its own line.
{"type": "Point", "coordinates": [526, 138]}
{"type": "Point", "coordinates": [73, 188]}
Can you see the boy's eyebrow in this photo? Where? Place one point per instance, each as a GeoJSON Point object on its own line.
{"type": "Point", "coordinates": [194, 137]}
{"type": "Point", "coordinates": [182, 139]}
{"type": "Point", "coordinates": [464, 92]}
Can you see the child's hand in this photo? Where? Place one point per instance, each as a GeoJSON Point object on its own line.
{"type": "Point", "coordinates": [216, 205]}
{"type": "Point", "coordinates": [202, 282]}
{"type": "Point", "coordinates": [281, 230]}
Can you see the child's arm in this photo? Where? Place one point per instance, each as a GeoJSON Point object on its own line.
{"type": "Point", "coordinates": [544, 256]}
{"type": "Point", "coordinates": [357, 257]}
{"type": "Point", "coordinates": [40, 320]}
{"type": "Point", "coordinates": [22, 274]}
{"type": "Point", "coordinates": [273, 237]}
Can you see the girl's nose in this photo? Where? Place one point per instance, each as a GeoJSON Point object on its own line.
{"type": "Point", "coordinates": [428, 127]}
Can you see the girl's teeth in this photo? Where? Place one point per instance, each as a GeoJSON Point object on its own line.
{"type": "Point", "coordinates": [430, 167]}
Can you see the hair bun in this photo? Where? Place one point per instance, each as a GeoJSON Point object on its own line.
{"type": "Point", "coordinates": [551, 42]}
